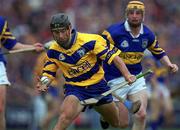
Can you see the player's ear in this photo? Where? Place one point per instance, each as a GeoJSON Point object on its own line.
{"type": "Point", "coordinates": [70, 27]}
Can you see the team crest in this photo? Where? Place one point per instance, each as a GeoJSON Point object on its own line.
{"type": "Point", "coordinates": [81, 52]}
{"type": "Point", "coordinates": [144, 43]}
{"type": "Point", "coordinates": [61, 57]}
{"type": "Point", "coordinates": [124, 44]}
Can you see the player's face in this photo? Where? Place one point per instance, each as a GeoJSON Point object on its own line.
{"type": "Point", "coordinates": [62, 36]}
{"type": "Point", "coordinates": [135, 17]}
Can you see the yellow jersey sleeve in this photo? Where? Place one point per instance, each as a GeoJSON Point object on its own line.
{"type": "Point", "coordinates": [104, 52]}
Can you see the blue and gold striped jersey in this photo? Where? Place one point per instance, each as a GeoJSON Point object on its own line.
{"type": "Point", "coordinates": [132, 48]}
{"type": "Point", "coordinates": [7, 40]}
{"type": "Point", "coordinates": [81, 64]}
{"type": "Point", "coordinates": [159, 70]}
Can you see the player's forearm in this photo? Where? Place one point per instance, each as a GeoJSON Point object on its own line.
{"type": "Point", "coordinates": [165, 61]}
{"type": "Point", "coordinates": [121, 66]}
{"type": "Point", "coordinates": [22, 46]}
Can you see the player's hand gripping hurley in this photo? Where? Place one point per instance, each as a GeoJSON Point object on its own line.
{"type": "Point", "coordinates": [94, 100]}
{"type": "Point", "coordinates": [46, 47]}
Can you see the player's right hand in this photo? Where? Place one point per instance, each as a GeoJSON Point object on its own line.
{"type": "Point", "coordinates": [130, 79]}
{"type": "Point", "coordinates": [40, 86]}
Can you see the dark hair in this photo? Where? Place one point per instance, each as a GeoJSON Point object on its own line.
{"type": "Point", "coordinates": [59, 20]}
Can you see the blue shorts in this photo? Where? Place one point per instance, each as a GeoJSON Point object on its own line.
{"type": "Point", "coordinates": [53, 91]}
{"type": "Point", "coordinates": [91, 91]}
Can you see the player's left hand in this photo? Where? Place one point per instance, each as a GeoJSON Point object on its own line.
{"type": "Point", "coordinates": [173, 68]}
{"type": "Point", "coordinates": [40, 87]}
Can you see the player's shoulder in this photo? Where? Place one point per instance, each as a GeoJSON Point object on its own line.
{"type": "Point", "coordinates": [89, 36]}
{"type": "Point", "coordinates": [116, 28]}
{"type": "Point", "coordinates": [2, 23]}
{"type": "Point", "coordinates": [2, 20]}
{"type": "Point", "coordinates": [149, 33]}
{"type": "Point", "coordinates": [147, 30]}
{"type": "Point", "coordinates": [53, 45]}
{"type": "Point", "coordinates": [53, 49]}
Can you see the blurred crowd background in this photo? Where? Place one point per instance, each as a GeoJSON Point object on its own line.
{"type": "Point", "coordinates": [29, 21]}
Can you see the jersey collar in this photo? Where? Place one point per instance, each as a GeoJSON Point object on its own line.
{"type": "Point", "coordinates": [128, 29]}
{"type": "Point", "coordinates": [73, 38]}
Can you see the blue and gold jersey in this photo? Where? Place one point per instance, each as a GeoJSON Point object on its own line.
{"type": "Point", "coordinates": [160, 72]}
{"type": "Point", "coordinates": [132, 48]}
{"type": "Point", "coordinates": [7, 40]}
{"type": "Point", "coordinates": [81, 64]}
{"type": "Point", "coordinates": [38, 69]}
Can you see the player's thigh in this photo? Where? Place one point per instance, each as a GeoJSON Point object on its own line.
{"type": "Point", "coordinates": [168, 104]}
{"type": "Point", "coordinates": [71, 107]}
{"type": "Point", "coordinates": [123, 114]}
{"type": "Point", "coordinates": [109, 112]}
{"type": "Point", "coordinates": [166, 100]}
{"type": "Point", "coordinates": [155, 108]}
{"type": "Point", "coordinates": [140, 95]}
{"type": "Point", "coordinates": [2, 97]}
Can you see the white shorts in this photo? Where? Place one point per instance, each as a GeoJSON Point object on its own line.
{"type": "Point", "coordinates": [123, 92]}
{"type": "Point", "coordinates": [3, 75]}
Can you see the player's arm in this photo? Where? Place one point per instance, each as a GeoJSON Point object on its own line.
{"type": "Point", "coordinates": [10, 42]}
{"type": "Point", "coordinates": [38, 67]}
{"type": "Point", "coordinates": [166, 61]}
{"type": "Point", "coordinates": [37, 46]}
{"type": "Point", "coordinates": [117, 60]}
{"type": "Point", "coordinates": [106, 35]}
{"type": "Point", "coordinates": [160, 54]}
{"type": "Point", "coordinates": [48, 74]}
{"type": "Point", "coordinates": [112, 55]}
{"type": "Point", "coordinates": [123, 69]}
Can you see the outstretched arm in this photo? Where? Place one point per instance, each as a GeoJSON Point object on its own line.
{"type": "Point", "coordinates": [38, 46]}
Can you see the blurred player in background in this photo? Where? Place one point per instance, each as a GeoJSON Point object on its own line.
{"type": "Point", "coordinates": [132, 37]}
{"type": "Point", "coordinates": [160, 102]}
{"type": "Point", "coordinates": [79, 55]}
{"type": "Point", "coordinates": [8, 41]}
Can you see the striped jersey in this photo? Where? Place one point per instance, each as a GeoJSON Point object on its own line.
{"type": "Point", "coordinates": [132, 48]}
{"type": "Point", "coordinates": [38, 69]}
{"type": "Point", "coordinates": [7, 40]}
{"type": "Point", "coordinates": [81, 64]}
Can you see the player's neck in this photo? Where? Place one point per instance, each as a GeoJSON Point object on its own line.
{"type": "Point", "coordinates": [135, 30]}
